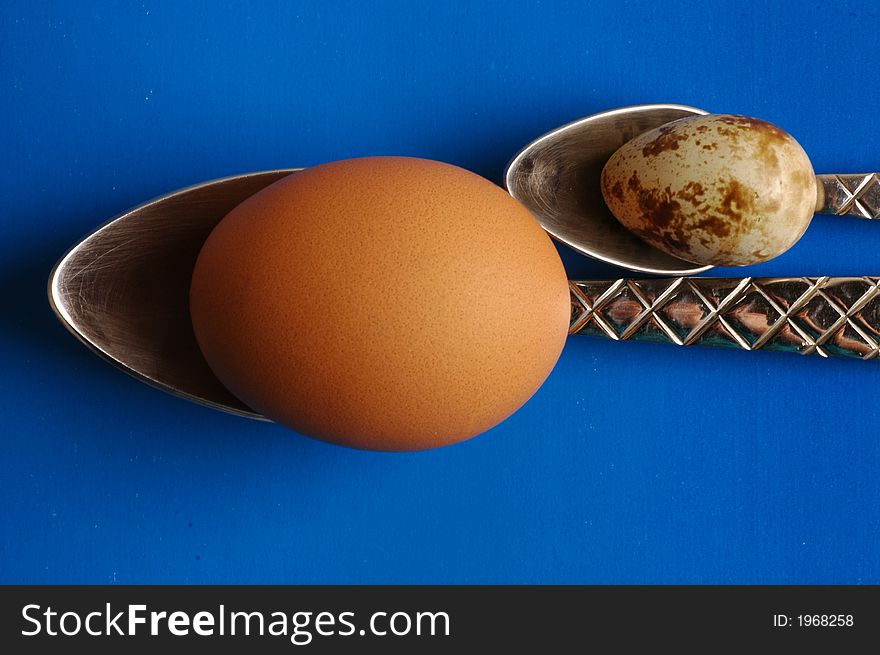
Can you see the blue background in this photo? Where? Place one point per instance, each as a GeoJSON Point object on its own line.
{"type": "Point", "coordinates": [635, 463]}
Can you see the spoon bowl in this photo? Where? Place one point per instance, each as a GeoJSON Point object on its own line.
{"type": "Point", "coordinates": [124, 289]}
{"type": "Point", "coordinates": [558, 175]}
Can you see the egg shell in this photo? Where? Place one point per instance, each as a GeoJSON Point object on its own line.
{"type": "Point", "coordinates": [715, 189]}
{"type": "Point", "coordinates": [384, 303]}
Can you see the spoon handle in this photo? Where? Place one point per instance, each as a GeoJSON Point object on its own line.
{"type": "Point", "coordinates": [809, 315]}
{"type": "Point", "coordinates": [851, 195]}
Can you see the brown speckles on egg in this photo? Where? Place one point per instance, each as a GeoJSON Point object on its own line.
{"type": "Point", "coordinates": [740, 189]}
{"type": "Point", "coordinates": [667, 139]}
{"type": "Point", "coordinates": [386, 303]}
{"type": "Point", "coordinates": [633, 183]}
{"type": "Point", "coordinates": [756, 126]}
{"type": "Point", "coordinates": [736, 201]}
{"type": "Point", "coordinates": [658, 205]}
{"type": "Point", "coordinates": [692, 192]}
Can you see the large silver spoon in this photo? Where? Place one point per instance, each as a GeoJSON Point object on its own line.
{"type": "Point", "coordinates": [123, 291]}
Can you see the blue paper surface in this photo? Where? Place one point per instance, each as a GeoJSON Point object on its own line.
{"type": "Point", "coordinates": [634, 463]}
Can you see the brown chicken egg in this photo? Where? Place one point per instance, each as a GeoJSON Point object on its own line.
{"type": "Point", "coordinates": [716, 189]}
{"type": "Point", "coordinates": [385, 303]}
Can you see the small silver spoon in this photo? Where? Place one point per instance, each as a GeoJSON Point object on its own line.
{"type": "Point", "coordinates": [558, 176]}
{"type": "Point", "coordinates": [123, 291]}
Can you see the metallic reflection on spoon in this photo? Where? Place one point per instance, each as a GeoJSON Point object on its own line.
{"type": "Point", "coordinates": [124, 289]}
{"type": "Point", "coordinates": [557, 177]}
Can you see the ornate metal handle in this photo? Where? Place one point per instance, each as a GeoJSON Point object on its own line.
{"type": "Point", "coordinates": [853, 195]}
{"type": "Point", "coordinates": [810, 315]}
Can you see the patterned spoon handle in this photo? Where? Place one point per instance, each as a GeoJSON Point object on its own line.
{"type": "Point", "coordinates": [851, 195]}
{"type": "Point", "coordinates": [810, 315]}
